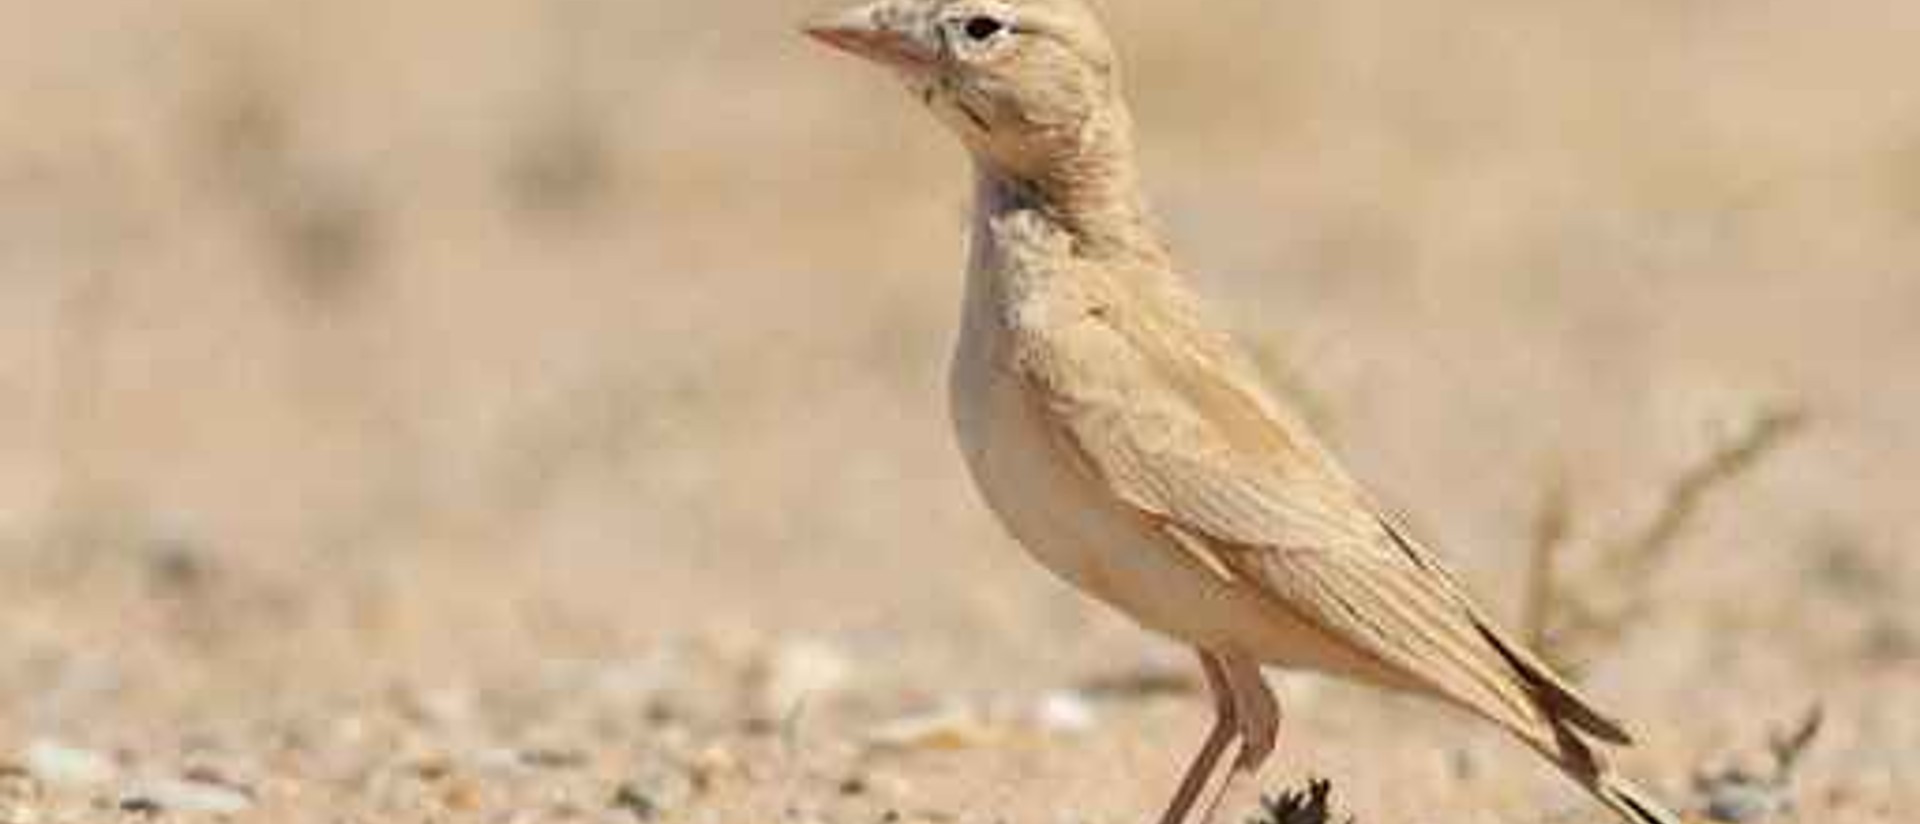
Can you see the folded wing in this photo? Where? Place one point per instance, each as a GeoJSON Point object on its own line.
{"type": "Point", "coordinates": [1169, 417]}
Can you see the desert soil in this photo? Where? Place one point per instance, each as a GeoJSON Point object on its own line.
{"type": "Point", "coordinates": [515, 411]}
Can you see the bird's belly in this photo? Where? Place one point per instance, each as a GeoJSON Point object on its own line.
{"type": "Point", "coordinates": [1081, 533]}
{"type": "Point", "coordinates": [1078, 530]}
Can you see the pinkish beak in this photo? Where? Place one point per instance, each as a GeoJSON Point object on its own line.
{"type": "Point", "coordinates": [861, 31]}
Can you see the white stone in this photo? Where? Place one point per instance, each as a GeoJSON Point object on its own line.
{"type": "Point", "coordinates": [191, 796]}
{"type": "Point", "coordinates": [1064, 711]}
{"type": "Point", "coordinates": [802, 671]}
{"type": "Point", "coordinates": [950, 728]}
{"type": "Point", "coordinates": [59, 764]}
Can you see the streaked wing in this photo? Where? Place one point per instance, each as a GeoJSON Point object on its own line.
{"type": "Point", "coordinates": [1169, 417]}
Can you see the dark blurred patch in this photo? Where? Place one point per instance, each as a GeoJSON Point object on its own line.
{"type": "Point", "coordinates": [635, 802]}
{"type": "Point", "coordinates": [1890, 639]}
{"type": "Point", "coordinates": [327, 230]}
{"type": "Point", "coordinates": [178, 566]}
{"type": "Point", "coordinates": [324, 224]}
{"type": "Point", "coordinates": [562, 163]}
{"type": "Point", "coordinates": [1857, 578]}
{"type": "Point", "coordinates": [242, 130]}
{"type": "Point", "coordinates": [91, 530]}
{"type": "Point", "coordinates": [1843, 563]}
{"type": "Point", "coordinates": [1147, 678]}
{"type": "Point", "coordinates": [1903, 184]}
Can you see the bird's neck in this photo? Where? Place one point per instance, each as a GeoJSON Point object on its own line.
{"type": "Point", "coordinates": [1090, 192]}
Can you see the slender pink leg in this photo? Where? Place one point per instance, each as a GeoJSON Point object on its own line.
{"type": "Point", "coordinates": [1259, 718]}
{"type": "Point", "coordinates": [1226, 725]}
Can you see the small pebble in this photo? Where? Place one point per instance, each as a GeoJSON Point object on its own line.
{"type": "Point", "coordinates": [227, 775]}
{"type": "Point", "coordinates": [175, 795]}
{"type": "Point", "coordinates": [1064, 711]}
{"type": "Point", "coordinates": [875, 784]}
{"type": "Point", "coordinates": [1738, 796]}
{"type": "Point", "coordinates": [711, 766]}
{"type": "Point", "coordinates": [1463, 764]}
{"type": "Point", "coordinates": [635, 681]}
{"type": "Point", "coordinates": [140, 806]}
{"type": "Point", "coordinates": [1738, 802]}
{"type": "Point", "coordinates": [497, 760]}
{"type": "Point", "coordinates": [56, 763]}
{"type": "Point", "coordinates": [635, 802]}
{"type": "Point", "coordinates": [549, 758]}
{"type": "Point", "coordinates": [461, 796]}
{"type": "Point", "coordinates": [953, 728]}
{"type": "Point", "coordinates": [441, 708]}
{"type": "Point", "coordinates": [801, 671]}
{"type": "Point", "coordinates": [431, 768]}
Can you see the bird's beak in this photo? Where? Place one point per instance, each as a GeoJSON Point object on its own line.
{"type": "Point", "coordinates": [878, 31]}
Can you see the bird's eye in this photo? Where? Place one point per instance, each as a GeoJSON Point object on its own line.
{"type": "Point", "coordinates": [981, 28]}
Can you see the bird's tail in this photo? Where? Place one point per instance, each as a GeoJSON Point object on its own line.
{"type": "Point", "coordinates": [1627, 800]}
{"type": "Point", "coordinates": [1570, 750]}
{"type": "Point", "coordinates": [1566, 728]}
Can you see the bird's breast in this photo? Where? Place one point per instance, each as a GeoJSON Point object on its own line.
{"type": "Point", "coordinates": [1067, 521]}
{"type": "Point", "coordinates": [1017, 465]}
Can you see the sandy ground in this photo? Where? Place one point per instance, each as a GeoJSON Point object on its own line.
{"type": "Point", "coordinates": [513, 411]}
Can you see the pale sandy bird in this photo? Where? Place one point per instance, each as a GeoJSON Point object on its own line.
{"type": "Point", "coordinates": [1122, 437]}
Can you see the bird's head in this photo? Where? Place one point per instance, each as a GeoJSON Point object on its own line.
{"type": "Point", "coordinates": [1024, 83]}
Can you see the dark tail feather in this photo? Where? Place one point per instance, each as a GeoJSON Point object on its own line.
{"type": "Point", "coordinates": [1626, 799]}
{"type": "Point", "coordinates": [1561, 702]}
{"type": "Point", "coordinates": [1630, 802]}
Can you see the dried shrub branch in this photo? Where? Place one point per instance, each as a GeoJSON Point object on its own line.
{"type": "Point", "coordinates": [1570, 625]}
{"type": "Point", "coordinates": [1552, 527]}
{"type": "Point", "coordinates": [1313, 805]}
{"type": "Point", "coordinates": [1787, 748]}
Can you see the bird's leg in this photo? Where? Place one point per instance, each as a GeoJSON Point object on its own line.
{"type": "Point", "coordinates": [1226, 725]}
{"type": "Point", "coordinates": [1259, 717]}
{"type": "Point", "coordinates": [1258, 711]}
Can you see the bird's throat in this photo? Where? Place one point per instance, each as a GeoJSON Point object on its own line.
{"type": "Point", "coordinates": [1091, 192]}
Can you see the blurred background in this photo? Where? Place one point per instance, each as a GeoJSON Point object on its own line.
{"type": "Point", "coordinates": [386, 382]}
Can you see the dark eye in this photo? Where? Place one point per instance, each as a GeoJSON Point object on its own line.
{"type": "Point", "coordinates": [980, 27]}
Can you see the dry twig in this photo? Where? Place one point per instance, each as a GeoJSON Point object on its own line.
{"type": "Point", "coordinates": [1552, 526]}
{"type": "Point", "coordinates": [1570, 626]}
{"type": "Point", "coordinates": [1312, 805]}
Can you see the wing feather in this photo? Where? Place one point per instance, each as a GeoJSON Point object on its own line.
{"type": "Point", "coordinates": [1176, 424]}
